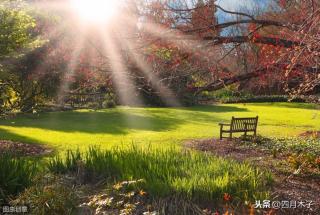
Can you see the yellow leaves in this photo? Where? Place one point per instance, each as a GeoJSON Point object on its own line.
{"type": "Point", "coordinates": [118, 186]}
{"type": "Point", "coordinates": [142, 193]}
{"type": "Point", "coordinates": [130, 194]}
{"type": "Point", "coordinates": [123, 198]}
{"type": "Point", "coordinates": [125, 184]}
{"type": "Point", "coordinates": [15, 26]}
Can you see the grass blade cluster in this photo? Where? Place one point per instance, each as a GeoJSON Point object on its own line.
{"type": "Point", "coordinates": [198, 176]}
{"type": "Point", "coordinates": [15, 175]}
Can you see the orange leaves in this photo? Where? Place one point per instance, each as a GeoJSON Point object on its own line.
{"type": "Point", "coordinates": [142, 193]}
{"type": "Point", "coordinates": [226, 197]}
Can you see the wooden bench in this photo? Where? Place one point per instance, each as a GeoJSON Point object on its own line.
{"type": "Point", "coordinates": [239, 125]}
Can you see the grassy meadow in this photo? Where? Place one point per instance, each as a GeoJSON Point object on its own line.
{"type": "Point", "coordinates": [160, 126]}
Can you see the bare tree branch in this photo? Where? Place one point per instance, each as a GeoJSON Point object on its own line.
{"type": "Point", "coordinates": [217, 40]}
{"type": "Point", "coordinates": [221, 83]}
{"type": "Point", "coordinates": [238, 22]}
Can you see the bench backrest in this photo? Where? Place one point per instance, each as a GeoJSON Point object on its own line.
{"type": "Point", "coordinates": [244, 124]}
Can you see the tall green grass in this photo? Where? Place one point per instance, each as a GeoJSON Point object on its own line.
{"type": "Point", "coordinates": [199, 177]}
{"type": "Point", "coordinates": [15, 175]}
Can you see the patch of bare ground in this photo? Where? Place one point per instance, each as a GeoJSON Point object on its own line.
{"type": "Point", "coordinates": [287, 185]}
{"type": "Point", "coordinates": [313, 134]}
{"type": "Point", "coordinates": [23, 149]}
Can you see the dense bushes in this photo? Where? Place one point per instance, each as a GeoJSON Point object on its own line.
{"type": "Point", "coordinates": [255, 99]}
{"type": "Point", "coordinates": [231, 94]}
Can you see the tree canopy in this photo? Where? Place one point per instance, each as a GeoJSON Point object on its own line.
{"type": "Point", "coordinates": [159, 52]}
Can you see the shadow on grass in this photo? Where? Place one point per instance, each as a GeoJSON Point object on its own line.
{"type": "Point", "coordinates": [200, 114]}
{"type": "Point", "coordinates": [120, 121]}
{"type": "Point", "coordinates": [216, 109]}
{"type": "Point", "coordinates": [111, 122]}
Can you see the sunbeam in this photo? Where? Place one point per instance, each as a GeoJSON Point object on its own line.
{"type": "Point", "coordinates": [72, 65]}
{"type": "Point", "coordinates": [124, 86]}
{"type": "Point", "coordinates": [164, 92]}
{"type": "Point", "coordinates": [187, 43]}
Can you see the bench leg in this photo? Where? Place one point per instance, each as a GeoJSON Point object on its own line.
{"type": "Point", "coordinates": [230, 136]}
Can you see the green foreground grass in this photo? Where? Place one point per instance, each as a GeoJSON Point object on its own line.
{"type": "Point", "coordinates": [197, 176]}
{"type": "Point", "coordinates": [188, 176]}
{"type": "Point", "coordinates": [160, 126]}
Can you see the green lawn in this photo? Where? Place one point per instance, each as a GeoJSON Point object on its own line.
{"type": "Point", "coordinates": [67, 130]}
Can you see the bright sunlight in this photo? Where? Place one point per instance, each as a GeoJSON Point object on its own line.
{"type": "Point", "coordinates": [95, 11]}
